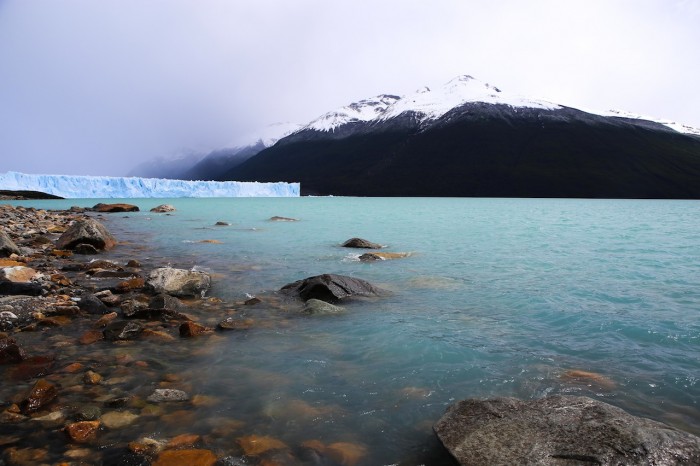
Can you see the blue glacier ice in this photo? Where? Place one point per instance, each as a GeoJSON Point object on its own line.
{"type": "Point", "coordinates": [122, 187]}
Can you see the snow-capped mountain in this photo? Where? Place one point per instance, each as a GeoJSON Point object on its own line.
{"type": "Point", "coordinates": [469, 138]}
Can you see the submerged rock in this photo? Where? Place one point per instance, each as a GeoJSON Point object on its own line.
{"type": "Point", "coordinates": [41, 394]}
{"type": "Point", "coordinates": [123, 330]}
{"type": "Point", "coordinates": [178, 282]}
{"type": "Point", "coordinates": [163, 208]}
{"type": "Point", "coordinates": [559, 430]}
{"type": "Point", "coordinates": [330, 288]}
{"type": "Point", "coordinates": [86, 231]}
{"type": "Point", "coordinates": [283, 219]}
{"type": "Point", "coordinates": [10, 351]}
{"type": "Point", "coordinates": [361, 243]}
{"type": "Point", "coordinates": [193, 457]}
{"type": "Point", "coordinates": [382, 256]}
{"type": "Point", "coordinates": [318, 307]}
{"type": "Point", "coordinates": [162, 395]}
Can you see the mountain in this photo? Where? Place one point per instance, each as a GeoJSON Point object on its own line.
{"type": "Point", "coordinates": [94, 187]}
{"type": "Point", "coordinates": [469, 138]}
{"type": "Point", "coordinates": [164, 167]}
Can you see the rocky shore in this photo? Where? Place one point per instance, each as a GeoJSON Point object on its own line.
{"type": "Point", "coordinates": [87, 328]}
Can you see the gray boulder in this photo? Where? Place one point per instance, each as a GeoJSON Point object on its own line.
{"type": "Point", "coordinates": [7, 246]}
{"type": "Point", "coordinates": [86, 231]}
{"type": "Point", "coordinates": [163, 208]}
{"type": "Point", "coordinates": [559, 430]}
{"type": "Point", "coordinates": [330, 288]}
{"type": "Point", "coordinates": [361, 243]}
{"type": "Point", "coordinates": [178, 282]}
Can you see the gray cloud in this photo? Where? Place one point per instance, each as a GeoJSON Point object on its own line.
{"type": "Point", "coordinates": [96, 87]}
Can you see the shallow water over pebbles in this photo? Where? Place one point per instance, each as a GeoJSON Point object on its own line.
{"type": "Point", "coordinates": [499, 297]}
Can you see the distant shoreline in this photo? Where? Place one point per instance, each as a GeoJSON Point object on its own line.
{"type": "Point", "coordinates": [20, 195]}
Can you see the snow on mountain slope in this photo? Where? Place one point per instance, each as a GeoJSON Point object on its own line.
{"type": "Point", "coordinates": [362, 111]}
{"type": "Point", "coordinates": [681, 128]}
{"type": "Point", "coordinates": [428, 104]}
{"type": "Point", "coordinates": [118, 187]}
{"type": "Point", "coordinates": [432, 104]}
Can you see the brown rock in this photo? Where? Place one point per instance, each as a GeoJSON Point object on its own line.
{"type": "Point", "coordinates": [10, 351]}
{"type": "Point", "coordinates": [277, 218]}
{"type": "Point", "coordinates": [192, 457]}
{"type": "Point", "coordinates": [588, 378]}
{"type": "Point", "coordinates": [82, 432]}
{"type": "Point", "coordinates": [131, 284]}
{"type": "Point", "coordinates": [345, 453]}
{"type": "Point", "coordinates": [73, 368]}
{"type": "Point", "coordinates": [119, 207]}
{"type": "Point", "coordinates": [233, 323]}
{"type": "Point", "coordinates": [92, 378]}
{"type": "Point", "coordinates": [18, 274]}
{"type": "Point", "coordinates": [252, 301]}
{"type": "Point", "coordinates": [192, 329]}
{"type": "Point", "coordinates": [90, 337]}
{"type": "Point", "coordinates": [35, 366]}
{"type": "Point", "coordinates": [39, 396]}
{"type": "Point", "coordinates": [25, 456]}
{"type": "Point", "coordinates": [184, 440]}
{"type": "Point", "coordinates": [60, 279]}
{"type": "Point", "coordinates": [210, 241]}
{"type": "Point", "coordinates": [105, 319]}
{"type": "Point", "coordinates": [10, 263]}
{"type": "Point", "coordinates": [254, 445]}
{"type": "Point", "coordinates": [163, 208]}
{"type": "Point", "coordinates": [61, 253]}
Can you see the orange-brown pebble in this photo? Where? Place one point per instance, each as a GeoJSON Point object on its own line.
{"type": "Point", "coordinates": [83, 431]}
{"type": "Point", "coordinates": [193, 457]}
{"type": "Point", "coordinates": [92, 378]}
{"type": "Point", "coordinates": [73, 368]}
{"type": "Point", "coordinates": [256, 444]}
{"type": "Point", "coordinates": [184, 440]}
{"type": "Point", "coordinates": [90, 337]}
{"type": "Point", "coordinates": [105, 319]}
{"type": "Point", "coordinates": [192, 329]}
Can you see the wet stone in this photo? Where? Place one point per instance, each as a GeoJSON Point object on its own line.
{"type": "Point", "coordinates": [118, 419]}
{"type": "Point", "coordinates": [10, 351]}
{"type": "Point", "coordinates": [192, 329]}
{"type": "Point", "coordinates": [92, 305]}
{"type": "Point", "coordinates": [125, 330]}
{"type": "Point", "coordinates": [42, 394]}
{"type": "Point", "coordinates": [163, 395]}
{"type": "Point", "coordinates": [88, 413]}
{"type": "Point", "coordinates": [361, 243]}
{"type": "Point", "coordinates": [236, 323]}
{"type": "Point", "coordinates": [194, 457]}
{"type": "Point", "coordinates": [83, 431]}
{"type": "Point", "coordinates": [92, 378]}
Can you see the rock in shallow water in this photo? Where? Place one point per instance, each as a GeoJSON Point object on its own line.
{"type": "Point", "coordinates": [330, 288]}
{"type": "Point", "coordinates": [361, 243]}
{"type": "Point", "coordinates": [560, 430]}
{"type": "Point", "coordinates": [178, 282]}
{"type": "Point", "coordinates": [318, 307]}
{"type": "Point", "coordinates": [86, 231]}
{"type": "Point", "coordinates": [162, 395]}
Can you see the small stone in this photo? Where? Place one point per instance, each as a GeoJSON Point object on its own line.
{"type": "Point", "coordinates": [146, 446]}
{"type": "Point", "coordinates": [192, 329]}
{"type": "Point", "coordinates": [183, 440]}
{"type": "Point", "coordinates": [52, 419]}
{"type": "Point", "coordinates": [236, 323]}
{"type": "Point", "coordinates": [252, 301]}
{"type": "Point", "coordinates": [10, 351]}
{"type": "Point", "coordinates": [105, 319]}
{"type": "Point", "coordinates": [18, 274]}
{"type": "Point", "coordinates": [118, 419]}
{"type": "Point", "coordinates": [163, 395]}
{"type": "Point", "coordinates": [92, 378]}
{"type": "Point", "coordinates": [283, 219]}
{"type": "Point", "coordinates": [40, 395]}
{"type": "Point", "coordinates": [90, 337]}
{"type": "Point", "coordinates": [88, 413]}
{"type": "Point", "coordinates": [124, 330]}
{"type": "Point", "coordinates": [133, 263]}
{"type": "Point", "coordinates": [254, 445]}
{"type": "Point", "coordinates": [83, 431]}
{"type": "Point", "coordinates": [73, 368]}
{"type": "Point", "coordinates": [25, 456]}
{"type": "Point", "coordinates": [222, 224]}
{"type": "Point", "coordinates": [130, 284]}
{"type": "Point", "coordinates": [92, 305]}
{"type": "Point", "coordinates": [192, 457]}
{"type": "Point", "coordinates": [108, 298]}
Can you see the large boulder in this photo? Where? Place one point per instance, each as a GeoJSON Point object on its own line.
{"type": "Point", "coordinates": [178, 282]}
{"type": "Point", "coordinates": [86, 231]}
{"type": "Point", "coordinates": [108, 208]}
{"type": "Point", "coordinates": [330, 288]}
{"type": "Point", "coordinates": [7, 246]}
{"type": "Point", "coordinates": [559, 430]}
{"type": "Point", "coordinates": [361, 243]}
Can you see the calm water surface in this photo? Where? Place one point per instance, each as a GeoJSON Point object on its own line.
{"type": "Point", "coordinates": [500, 297]}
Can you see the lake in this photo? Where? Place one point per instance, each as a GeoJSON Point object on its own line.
{"type": "Point", "coordinates": [498, 297]}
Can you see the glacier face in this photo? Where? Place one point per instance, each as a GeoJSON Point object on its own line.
{"type": "Point", "coordinates": [122, 187]}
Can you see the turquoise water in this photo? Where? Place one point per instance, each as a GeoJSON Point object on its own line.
{"type": "Point", "coordinates": [499, 297]}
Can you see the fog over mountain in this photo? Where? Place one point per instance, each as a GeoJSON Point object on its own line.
{"type": "Point", "coordinates": [100, 87]}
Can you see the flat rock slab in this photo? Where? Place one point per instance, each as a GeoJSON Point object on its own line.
{"type": "Point", "coordinates": [108, 208]}
{"type": "Point", "coordinates": [559, 430]}
{"type": "Point", "coordinates": [330, 288]}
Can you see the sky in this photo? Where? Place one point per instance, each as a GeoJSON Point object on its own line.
{"type": "Point", "coordinates": [97, 87]}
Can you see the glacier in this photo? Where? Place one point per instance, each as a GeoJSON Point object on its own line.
{"type": "Point", "coordinates": [97, 187]}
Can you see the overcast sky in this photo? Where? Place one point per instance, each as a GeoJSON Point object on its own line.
{"type": "Point", "coordinates": [98, 86]}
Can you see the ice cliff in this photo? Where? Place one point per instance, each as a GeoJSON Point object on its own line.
{"type": "Point", "coordinates": [117, 187]}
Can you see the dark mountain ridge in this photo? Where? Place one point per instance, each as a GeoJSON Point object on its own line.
{"type": "Point", "coordinates": [487, 150]}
